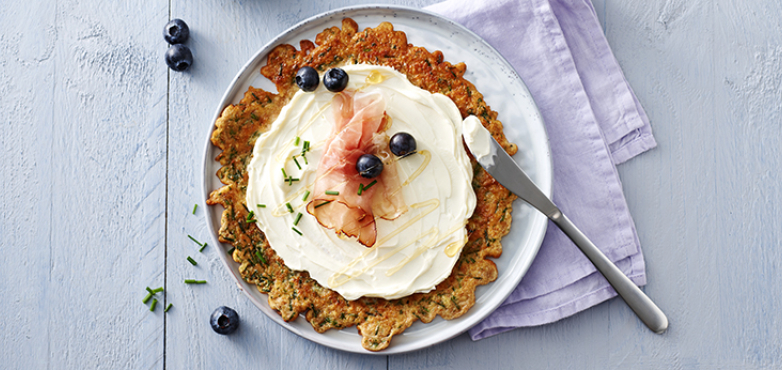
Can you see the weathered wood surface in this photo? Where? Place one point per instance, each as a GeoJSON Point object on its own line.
{"type": "Point", "coordinates": [103, 146]}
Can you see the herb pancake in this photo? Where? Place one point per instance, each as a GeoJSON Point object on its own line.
{"type": "Point", "coordinates": [293, 292]}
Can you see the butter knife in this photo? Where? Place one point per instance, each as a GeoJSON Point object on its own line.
{"type": "Point", "coordinates": [501, 166]}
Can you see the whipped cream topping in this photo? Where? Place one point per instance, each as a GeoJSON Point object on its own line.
{"type": "Point", "coordinates": [414, 252]}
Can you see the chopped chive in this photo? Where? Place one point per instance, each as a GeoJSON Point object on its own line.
{"type": "Point", "coordinates": [261, 205]}
{"type": "Point", "coordinates": [297, 231]}
{"type": "Point", "coordinates": [323, 204]}
{"type": "Point", "coordinates": [195, 207]}
{"type": "Point", "coordinates": [306, 195]}
{"type": "Point", "coordinates": [296, 221]}
{"type": "Point", "coordinates": [250, 216]}
{"type": "Point", "coordinates": [290, 180]}
{"type": "Point", "coordinates": [260, 257]}
{"type": "Point", "coordinates": [194, 240]}
{"type": "Point", "coordinates": [231, 251]}
{"type": "Point", "coordinates": [147, 297]}
{"type": "Point", "coordinates": [152, 306]}
{"type": "Point", "coordinates": [332, 192]}
{"type": "Point", "coordinates": [370, 184]}
{"type": "Point", "coordinates": [168, 307]}
{"type": "Point", "coordinates": [290, 209]}
{"type": "Point", "coordinates": [306, 146]}
{"type": "Point", "coordinates": [150, 290]}
{"type": "Point", "coordinates": [360, 188]}
{"type": "Point", "coordinates": [202, 248]}
{"type": "Point", "coordinates": [297, 162]}
{"type": "Point", "coordinates": [158, 290]}
{"type": "Point", "coordinates": [192, 261]}
{"type": "Point", "coordinates": [305, 159]}
{"type": "Point", "coordinates": [297, 141]}
{"type": "Point", "coordinates": [284, 175]}
{"type": "Point", "coordinates": [193, 281]}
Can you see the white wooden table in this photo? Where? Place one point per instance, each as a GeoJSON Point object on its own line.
{"type": "Point", "coordinates": [102, 147]}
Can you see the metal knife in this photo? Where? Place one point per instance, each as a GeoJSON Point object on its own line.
{"type": "Point", "coordinates": [502, 167]}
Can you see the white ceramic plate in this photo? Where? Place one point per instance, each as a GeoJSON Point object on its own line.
{"type": "Point", "coordinates": [505, 93]}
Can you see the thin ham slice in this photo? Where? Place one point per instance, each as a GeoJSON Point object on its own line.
{"type": "Point", "coordinates": [359, 128]}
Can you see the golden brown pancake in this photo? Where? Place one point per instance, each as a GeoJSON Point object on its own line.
{"type": "Point", "coordinates": [294, 292]}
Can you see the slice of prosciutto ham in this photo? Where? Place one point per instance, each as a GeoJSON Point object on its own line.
{"type": "Point", "coordinates": [359, 128]}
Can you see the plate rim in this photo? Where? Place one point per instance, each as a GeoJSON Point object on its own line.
{"type": "Point", "coordinates": [538, 233]}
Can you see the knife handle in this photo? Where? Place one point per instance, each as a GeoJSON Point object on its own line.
{"type": "Point", "coordinates": [640, 303]}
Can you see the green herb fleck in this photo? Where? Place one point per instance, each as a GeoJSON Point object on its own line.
{"type": "Point", "coordinates": [297, 231]}
{"type": "Point", "coordinates": [290, 208]}
{"type": "Point", "coordinates": [195, 207]}
{"type": "Point", "coordinates": [194, 240]}
{"type": "Point", "coordinates": [332, 192]}
{"type": "Point", "coordinates": [306, 195]}
{"type": "Point", "coordinates": [360, 188]}
{"type": "Point", "coordinates": [202, 248]}
{"type": "Point", "coordinates": [296, 142]}
{"type": "Point", "coordinates": [297, 162]}
{"type": "Point", "coordinates": [193, 281]}
{"type": "Point", "coordinates": [296, 221]}
{"type": "Point", "coordinates": [323, 204]}
{"type": "Point", "coordinates": [152, 306]}
{"type": "Point", "coordinates": [158, 290]}
{"type": "Point", "coordinates": [370, 184]}
{"type": "Point", "coordinates": [260, 257]}
{"type": "Point", "coordinates": [192, 261]}
{"type": "Point", "coordinates": [251, 217]}
{"type": "Point", "coordinates": [147, 297]}
{"type": "Point", "coordinates": [261, 205]}
{"type": "Point", "coordinates": [150, 290]}
{"type": "Point", "coordinates": [168, 307]}
{"type": "Point", "coordinates": [284, 175]}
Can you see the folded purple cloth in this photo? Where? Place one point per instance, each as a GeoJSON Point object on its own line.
{"type": "Point", "coordinates": [594, 122]}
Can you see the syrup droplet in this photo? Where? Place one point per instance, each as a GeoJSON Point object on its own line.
{"type": "Point", "coordinates": [375, 77]}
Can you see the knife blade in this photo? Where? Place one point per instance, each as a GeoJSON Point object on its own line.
{"type": "Point", "coordinates": [493, 158]}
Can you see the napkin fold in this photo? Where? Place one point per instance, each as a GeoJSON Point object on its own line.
{"type": "Point", "coordinates": [594, 122]}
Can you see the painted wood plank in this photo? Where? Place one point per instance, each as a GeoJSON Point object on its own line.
{"type": "Point", "coordinates": [26, 225]}
{"type": "Point", "coordinates": [83, 93]}
{"type": "Point", "coordinates": [707, 72]}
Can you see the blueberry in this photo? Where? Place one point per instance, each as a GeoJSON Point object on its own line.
{"type": "Point", "coordinates": [224, 320]}
{"type": "Point", "coordinates": [335, 79]}
{"type": "Point", "coordinates": [176, 31]}
{"type": "Point", "coordinates": [402, 144]}
{"type": "Point", "coordinates": [179, 57]}
{"type": "Point", "coordinates": [307, 78]}
{"type": "Point", "coordinates": [369, 166]}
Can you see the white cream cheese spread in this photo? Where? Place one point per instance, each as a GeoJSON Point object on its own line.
{"type": "Point", "coordinates": [413, 252]}
{"type": "Point", "coordinates": [478, 139]}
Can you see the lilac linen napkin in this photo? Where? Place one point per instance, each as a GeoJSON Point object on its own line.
{"type": "Point", "coordinates": [594, 122]}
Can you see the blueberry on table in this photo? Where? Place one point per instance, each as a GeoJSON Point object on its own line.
{"type": "Point", "coordinates": [176, 31]}
{"type": "Point", "coordinates": [335, 79]}
{"type": "Point", "coordinates": [402, 144]}
{"type": "Point", "coordinates": [224, 320]}
{"type": "Point", "coordinates": [179, 57]}
{"type": "Point", "coordinates": [369, 166]}
{"type": "Point", "coordinates": [307, 79]}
